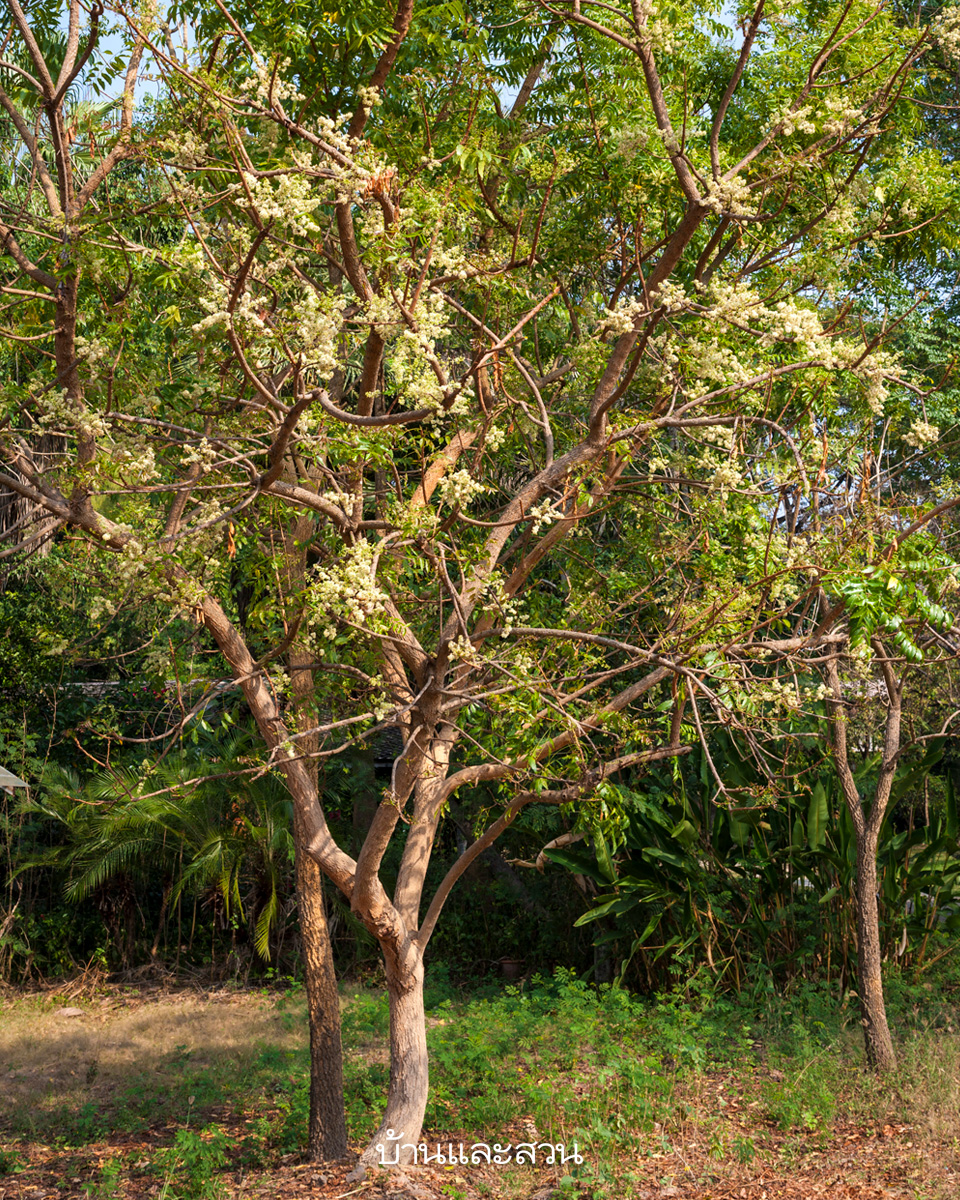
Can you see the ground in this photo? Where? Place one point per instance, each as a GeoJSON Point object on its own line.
{"type": "Point", "coordinates": [197, 1095]}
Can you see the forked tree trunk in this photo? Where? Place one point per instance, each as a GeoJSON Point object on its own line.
{"type": "Point", "coordinates": [327, 1132]}
{"type": "Point", "coordinates": [876, 1031]}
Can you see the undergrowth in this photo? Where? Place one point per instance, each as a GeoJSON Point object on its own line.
{"type": "Point", "coordinates": [555, 1060]}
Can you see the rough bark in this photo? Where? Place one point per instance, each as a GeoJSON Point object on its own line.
{"type": "Point", "coordinates": [867, 824]}
{"type": "Point", "coordinates": [327, 1132]}
{"type": "Point", "coordinates": [399, 1131]}
{"type": "Point", "coordinates": [876, 1031]}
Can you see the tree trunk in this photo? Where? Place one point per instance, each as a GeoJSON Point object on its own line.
{"type": "Point", "coordinates": [327, 1133]}
{"type": "Point", "coordinates": [399, 1131]}
{"type": "Point", "coordinates": [876, 1031]}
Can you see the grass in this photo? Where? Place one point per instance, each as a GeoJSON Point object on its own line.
{"type": "Point", "coordinates": [194, 1093]}
{"type": "Point", "coordinates": [126, 1063]}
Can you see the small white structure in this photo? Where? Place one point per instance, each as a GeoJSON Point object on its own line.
{"type": "Point", "coordinates": [9, 781]}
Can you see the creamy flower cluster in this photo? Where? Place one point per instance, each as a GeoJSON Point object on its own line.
{"type": "Point", "coordinates": [623, 318]}
{"type": "Point", "coordinates": [458, 488]}
{"type": "Point", "coordinates": [946, 31]}
{"type": "Point", "coordinates": [289, 199]}
{"type": "Point", "coordinates": [921, 434]}
{"type": "Point", "coordinates": [186, 150]}
{"type": "Point", "coordinates": [139, 465]}
{"type": "Point", "coordinates": [542, 515]}
{"type": "Point", "coordinates": [461, 649]}
{"type": "Point", "coordinates": [319, 320]}
{"type": "Point", "coordinates": [349, 589]}
{"type": "Point", "coordinates": [415, 368]}
{"type": "Point", "coordinates": [369, 97]}
{"type": "Point", "coordinates": [658, 32]}
{"type": "Point", "coordinates": [92, 352]}
{"type": "Point", "coordinates": [268, 86]}
{"type": "Point", "coordinates": [729, 197]}
{"type": "Point", "coordinates": [63, 412]}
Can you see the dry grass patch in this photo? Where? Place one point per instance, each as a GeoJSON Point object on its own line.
{"type": "Point", "coordinates": [52, 1058]}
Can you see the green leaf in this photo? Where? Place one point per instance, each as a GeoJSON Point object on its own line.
{"type": "Point", "coordinates": [953, 823]}
{"type": "Point", "coordinates": [685, 833]}
{"type": "Point", "coordinates": [581, 864]}
{"type": "Point", "coordinates": [604, 858]}
{"type": "Point", "coordinates": [817, 816]}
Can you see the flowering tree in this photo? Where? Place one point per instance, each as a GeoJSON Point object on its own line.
{"type": "Point", "coordinates": [423, 355]}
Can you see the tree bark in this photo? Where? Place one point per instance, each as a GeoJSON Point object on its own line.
{"type": "Point", "coordinates": [327, 1133]}
{"type": "Point", "coordinates": [876, 1031]}
{"type": "Point", "coordinates": [327, 1130]}
{"type": "Point", "coordinates": [399, 1130]}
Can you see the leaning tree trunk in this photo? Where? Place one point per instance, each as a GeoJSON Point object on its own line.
{"type": "Point", "coordinates": [327, 1133]}
{"type": "Point", "coordinates": [876, 1031]}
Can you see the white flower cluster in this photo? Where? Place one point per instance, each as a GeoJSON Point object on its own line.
{"type": "Point", "coordinates": [711, 362]}
{"type": "Point", "coordinates": [139, 465]}
{"type": "Point", "coordinates": [658, 33]}
{"type": "Point", "coordinates": [543, 514]}
{"type": "Point", "coordinates": [452, 262]}
{"type": "Point", "coordinates": [509, 608]}
{"type": "Point", "coordinates": [458, 488]}
{"type": "Point", "coordinates": [794, 322]}
{"type": "Point", "coordinates": [921, 434]}
{"type": "Point", "coordinates": [729, 197]}
{"type": "Point", "coordinates": [622, 319]}
{"type": "Point", "coordinates": [63, 412]}
{"type": "Point", "coordinates": [203, 454]}
{"type": "Point", "coordinates": [369, 97]}
{"type": "Point", "coordinates": [789, 321]}
{"type": "Point", "coordinates": [783, 694]}
{"type": "Point", "coordinates": [319, 320]}
{"type": "Point", "coordinates": [289, 199]}
{"type": "Point", "coordinates": [725, 477]}
{"type": "Point", "coordinates": [495, 437]}
{"type": "Point", "coordinates": [720, 436]}
{"type": "Point", "coordinates": [630, 142]}
{"type": "Point", "coordinates": [946, 31]}
{"type": "Point", "coordinates": [268, 86]}
{"type": "Point", "coordinates": [875, 392]}
{"type": "Point", "coordinates": [461, 649]}
{"type": "Point", "coordinates": [130, 562]}
{"type": "Point", "coordinates": [99, 607]}
{"type": "Point", "coordinates": [246, 310]}
{"type": "Point", "coordinates": [794, 120]}
{"type": "Point", "coordinates": [186, 150]}
{"type": "Point", "coordinates": [349, 589]}
{"type": "Point", "coordinates": [671, 296]}
{"type": "Point", "coordinates": [92, 352]}
{"type": "Point", "coordinates": [843, 115]}
{"type": "Point", "coordinates": [413, 363]}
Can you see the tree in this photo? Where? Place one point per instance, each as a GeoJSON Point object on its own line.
{"type": "Point", "coordinates": [420, 356]}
